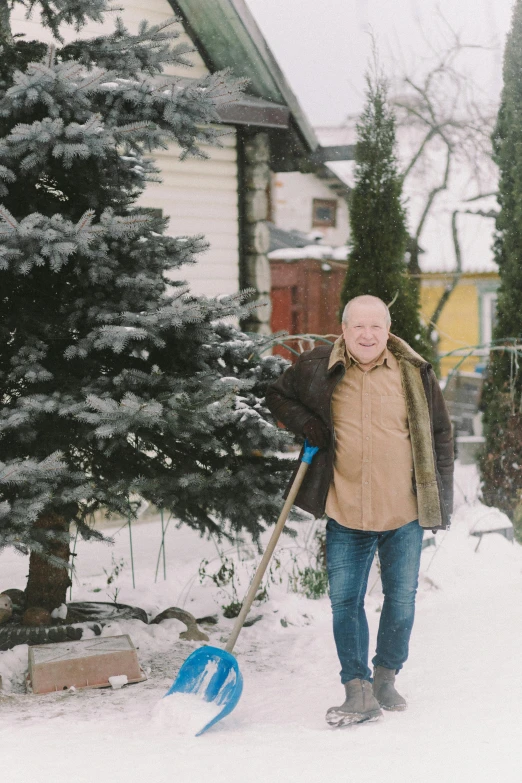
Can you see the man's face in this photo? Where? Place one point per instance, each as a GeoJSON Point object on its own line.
{"type": "Point", "coordinates": [366, 332]}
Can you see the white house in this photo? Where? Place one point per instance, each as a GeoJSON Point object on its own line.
{"type": "Point", "coordinates": [228, 197]}
{"type": "Point", "coordinates": [309, 204]}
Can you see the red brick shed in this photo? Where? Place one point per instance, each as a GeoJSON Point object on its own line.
{"type": "Point", "coordinates": [305, 296]}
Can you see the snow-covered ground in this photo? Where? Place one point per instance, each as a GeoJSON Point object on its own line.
{"type": "Point", "coordinates": [463, 680]}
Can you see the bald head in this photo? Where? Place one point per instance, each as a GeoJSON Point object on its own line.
{"type": "Point", "coordinates": [366, 328]}
{"type": "Point", "coordinates": [366, 300]}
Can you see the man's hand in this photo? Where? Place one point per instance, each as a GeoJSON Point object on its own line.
{"type": "Point", "coordinates": [316, 433]}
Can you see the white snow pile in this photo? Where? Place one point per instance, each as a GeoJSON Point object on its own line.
{"type": "Point", "coordinates": [117, 681]}
{"type": "Point", "coordinates": [60, 612]}
{"type": "Point", "coordinates": [184, 713]}
{"type": "Point", "coordinates": [13, 667]}
{"type": "Point", "coordinates": [464, 694]}
{"type": "Point", "coordinates": [315, 251]}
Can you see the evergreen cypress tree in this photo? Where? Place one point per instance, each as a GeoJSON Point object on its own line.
{"type": "Point", "coordinates": [501, 464]}
{"type": "Point", "coordinates": [379, 237]}
{"type": "Point", "coordinates": [114, 379]}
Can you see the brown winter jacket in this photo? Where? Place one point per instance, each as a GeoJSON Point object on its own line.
{"type": "Point", "coordinates": [305, 390]}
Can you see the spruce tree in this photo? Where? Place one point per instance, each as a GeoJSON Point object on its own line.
{"type": "Point", "coordinates": [501, 463]}
{"type": "Point", "coordinates": [379, 237]}
{"type": "Point", "coordinates": [116, 382]}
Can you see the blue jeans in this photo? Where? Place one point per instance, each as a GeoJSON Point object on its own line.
{"type": "Point", "coordinates": [349, 555]}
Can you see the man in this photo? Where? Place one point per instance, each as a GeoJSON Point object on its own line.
{"type": "Point", "coordinates": [384, 474]}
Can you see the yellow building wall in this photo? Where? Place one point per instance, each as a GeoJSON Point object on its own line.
{"type": "Point", "coordinates": [459, 323]}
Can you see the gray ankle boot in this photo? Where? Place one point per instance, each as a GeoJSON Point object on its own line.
{"type": "Point", "coordinates": [360, 705]}
{"type": "Point", "coordinates": [384, 689]}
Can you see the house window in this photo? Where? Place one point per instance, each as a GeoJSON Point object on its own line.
{"type": "Point", "coordinates": [324, 213]}
{"type": "Point", "coordinates": [489, 316]}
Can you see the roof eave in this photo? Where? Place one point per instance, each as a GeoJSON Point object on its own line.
{"type": "Point", "coordinates": [225, 34]}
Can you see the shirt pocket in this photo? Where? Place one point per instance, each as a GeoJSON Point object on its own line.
{"type": "Point", "coordinates": [393, 412]}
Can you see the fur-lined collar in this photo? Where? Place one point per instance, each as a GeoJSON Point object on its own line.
{"type": "Point", "coordinates": [397, 346]}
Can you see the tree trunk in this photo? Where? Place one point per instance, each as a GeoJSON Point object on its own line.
{"type": "Point", "coordinates": [47, 583]}
{"type": "Point", "coordinates": [5, 27]}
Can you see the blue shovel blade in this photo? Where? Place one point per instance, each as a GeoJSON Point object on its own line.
{"type": "Point", "coordinates": [214, 675]}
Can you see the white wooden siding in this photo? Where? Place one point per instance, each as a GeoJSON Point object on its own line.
{"type": "Point", "coordinates": [198, 196]}
{"type": "Point", "coordinates": [132, 13]}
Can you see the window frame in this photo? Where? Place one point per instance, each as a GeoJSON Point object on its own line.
{"type": "Point", "coordinates": [331, 203]}
{"type": "Point", "coordinates": [488, 302]}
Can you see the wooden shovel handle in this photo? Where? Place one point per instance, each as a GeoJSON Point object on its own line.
{"type": "Point", "coordinates": [258, 576]}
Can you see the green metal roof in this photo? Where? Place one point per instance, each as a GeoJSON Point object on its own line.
{"type": "Point", "coordinates": [227, 36]}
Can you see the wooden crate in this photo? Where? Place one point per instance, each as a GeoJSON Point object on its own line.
{"type": "Point", "coordinates": [87, 663]}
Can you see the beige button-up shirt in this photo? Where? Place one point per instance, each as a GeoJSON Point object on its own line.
{"type": "Point", "coordinates": [372, 487]}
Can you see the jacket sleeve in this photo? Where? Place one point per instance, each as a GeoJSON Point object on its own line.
{"type": "Point", "coordinates": [282, 399]}
{"type": "Point", "coordinates": [443, 442]}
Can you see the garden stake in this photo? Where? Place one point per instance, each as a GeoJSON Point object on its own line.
{"type": "Point", "coordinates": [163, 546]}
{"type": "Point", "coordinates": [72, 563]}
{"type": "Point", "coordinates": [162, 550]}
{"type": "Point", "coordinates": [131, 552]}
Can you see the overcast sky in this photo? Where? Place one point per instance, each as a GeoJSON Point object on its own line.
{"type": "Point", "coordinates": [323, 45]}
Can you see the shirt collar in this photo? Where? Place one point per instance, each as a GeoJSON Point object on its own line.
{"type": "Point", "coordinates": [341, 355]}
{"type": "Point", "coordinates": [386, 358]}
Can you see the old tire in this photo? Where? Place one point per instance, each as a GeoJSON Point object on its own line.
{"type": "Point", "coordinates": [12, 635]}
{"type": "Point", "coordinates": [85, 614]}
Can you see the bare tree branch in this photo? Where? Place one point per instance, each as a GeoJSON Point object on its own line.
{"type": "Point", "coordinates": [448, 123]}
{"type": "Point", "coordinates": [450, 287]}
{"type": "Point", "coordinates": [491, 213]}
{"type": "Point", "coordinates": [426, 140]}
{"type": "Point", "coordinates": [432, 195]}
{"type": "Point", "coordinates": [481, 195]}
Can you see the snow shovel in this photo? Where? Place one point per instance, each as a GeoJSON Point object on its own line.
{"type": "Point", "coordinates": [212, 673]}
